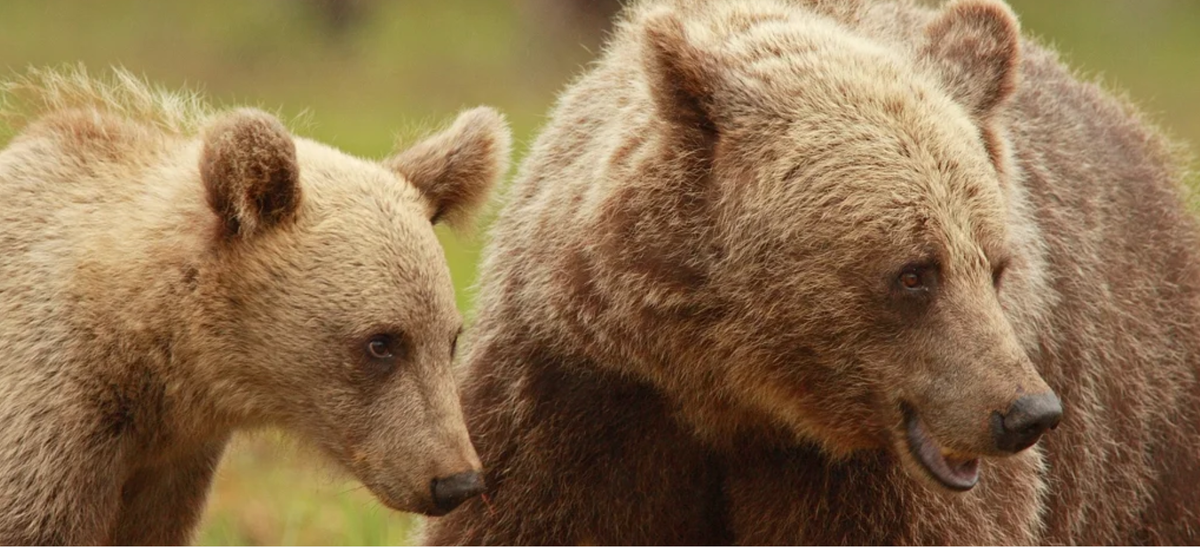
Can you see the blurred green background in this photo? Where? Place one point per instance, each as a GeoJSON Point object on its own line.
{"type": "Point", "coordinates": [359, 73]}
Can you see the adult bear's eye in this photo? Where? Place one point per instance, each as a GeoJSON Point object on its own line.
{"type": "Point", "coordinates": [918, 277]}
{"type": "Point", "coordinates": [911, 280]}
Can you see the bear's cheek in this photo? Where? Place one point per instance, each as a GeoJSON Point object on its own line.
{"type": "Point", "coordinates": [830, 399]}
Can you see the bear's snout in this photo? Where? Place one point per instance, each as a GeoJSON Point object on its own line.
{"type": "Point", "coordinates": [1025, 421]}
{"type": "Point", "coordinates": [450, 492]}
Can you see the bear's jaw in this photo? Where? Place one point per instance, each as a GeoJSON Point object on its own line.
{"type": "Point", "coordinates": [952, 470]}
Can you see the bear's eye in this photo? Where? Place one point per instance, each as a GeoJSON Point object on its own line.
{"type": "Point", "coordinates": [383, 351]}
{"type": "Point", "coordinates": [454, 345]}
{"type": "Point", "coordinates": [380, 347]}
{"type": "Point", "coordinates": [918, 278]}
{"type": "Point", "coordinates": [911, 280]}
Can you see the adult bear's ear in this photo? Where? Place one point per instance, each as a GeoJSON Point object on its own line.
{"type": "Point", "coordinates": [457, 167]}
{"type": "Point", "coordinates": [250, 173]}
{"type": "Point", "coordinates": [681, 79]}
{"type": "Point", "coordinates": [975, 46]}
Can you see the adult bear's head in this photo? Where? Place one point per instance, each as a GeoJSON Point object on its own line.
{"type": "Point", "coordinates": [813, 230]}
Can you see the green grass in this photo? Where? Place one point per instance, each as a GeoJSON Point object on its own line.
{"type": "Point", "coordinates": [267, 492]}
{"type": "Point", "coordinates": [410, 66]}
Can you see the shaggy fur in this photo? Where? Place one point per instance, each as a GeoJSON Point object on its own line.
{"type": "Point", "coordinates": [691, 328]}
{"type": "Point", "coordinates": [171, 274]}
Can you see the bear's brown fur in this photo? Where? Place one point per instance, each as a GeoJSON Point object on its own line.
{"type": "Point", "coordinates": [766, 251]}
{"type": "Point", "coordinates": [172, 273]}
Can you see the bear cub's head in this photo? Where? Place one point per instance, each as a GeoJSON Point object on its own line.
{"type": "Point", "coordinates": [862, 271]}
{"type": "Point", "coordinates": [329, 308]}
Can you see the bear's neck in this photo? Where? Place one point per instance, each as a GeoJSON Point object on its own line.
{"type": "Point", "coordinates": [142, 295]}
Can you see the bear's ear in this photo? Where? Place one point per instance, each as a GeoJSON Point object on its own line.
{"type": "Point", "coordinates": [681, 78]}
{"type": "Point", "coordinates": [975, 46]}
{"type": "Point", "coordinates": [250, 172]}
{"type": "Point", "coordinates": [457, 167]}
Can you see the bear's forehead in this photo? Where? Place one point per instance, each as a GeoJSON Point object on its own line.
{"type": "Point", "coordinates": [854, 128]}
{"type": "Point", "coordinates": [394, 274]}
{"type": "Point", "coordinates": [790, 59]}
{"type": "Point", "coordinates": [346, 190]}
{"type": "Point", "coordinates": [910, 191]}
{"type": "Point", "coordinates": [366, 219]}
{"type": "Point", "coordinates": [369, 238]}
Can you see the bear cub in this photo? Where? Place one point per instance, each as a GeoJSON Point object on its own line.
{"type": "Point", "coordinates": [172, 273]}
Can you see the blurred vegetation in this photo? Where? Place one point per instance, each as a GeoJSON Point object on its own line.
{"type": "Point", "coordinates": [359, 73]}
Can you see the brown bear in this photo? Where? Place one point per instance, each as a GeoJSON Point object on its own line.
{"type": "Point", "coordinates": [823, 272]}
{"type": "Point", "coordinates": [172, 273]}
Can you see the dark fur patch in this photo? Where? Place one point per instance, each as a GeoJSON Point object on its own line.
{"type": "Point", "coordinates": [250, 172]}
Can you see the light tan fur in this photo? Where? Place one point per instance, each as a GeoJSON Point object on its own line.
{"type": "Point", "coordinates": [172, 273]}
{"type": "Point", "coordinates": [690, 329]}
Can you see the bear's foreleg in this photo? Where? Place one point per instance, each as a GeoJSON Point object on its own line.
{"type": "Point", "coordinates": [161, 505]}
{"type": "Point", "coordinates": [57, 487]}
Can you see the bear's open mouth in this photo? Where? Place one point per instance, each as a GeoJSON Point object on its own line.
{"type": "Point", "coordinates": [954, 471]}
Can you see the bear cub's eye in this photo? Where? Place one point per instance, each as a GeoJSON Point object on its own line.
{"type": "Point", "coordinates": [386, 347]}
{"type": "Point", "coordinates": [381, 353]}
{"type": "Point", "coordinates": [380, 347]}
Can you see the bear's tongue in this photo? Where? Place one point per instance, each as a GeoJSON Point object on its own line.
{"type": "Point", "coordinates": [953, 473]}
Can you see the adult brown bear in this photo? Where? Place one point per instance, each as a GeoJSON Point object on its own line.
{"type": "Point", "coordinates": [821, 272]}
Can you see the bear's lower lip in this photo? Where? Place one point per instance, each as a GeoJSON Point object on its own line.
{"type": "Point", "coordinates": [955, 473]}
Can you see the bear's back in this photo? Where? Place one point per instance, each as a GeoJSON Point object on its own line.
{"type": "Point", "coordinates": [91, 203]}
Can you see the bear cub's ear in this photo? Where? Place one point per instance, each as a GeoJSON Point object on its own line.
{"type": "Point", "coordinates": [457, 167]}
{"type": "Point", "coordinates": [250, 173]}
{"type": "Point", "coordinates": [975, 46]}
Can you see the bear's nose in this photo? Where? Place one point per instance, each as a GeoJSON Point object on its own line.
{"type": "Point", "coordinates": [1026, 420]}
{"type": "Point", "coordinates": [449, 492]}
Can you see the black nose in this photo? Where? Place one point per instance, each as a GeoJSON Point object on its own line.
{"type": "Point", "coordinates": [450, 492]}
{"type": "Point", "coordinates": [1025, 421]}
